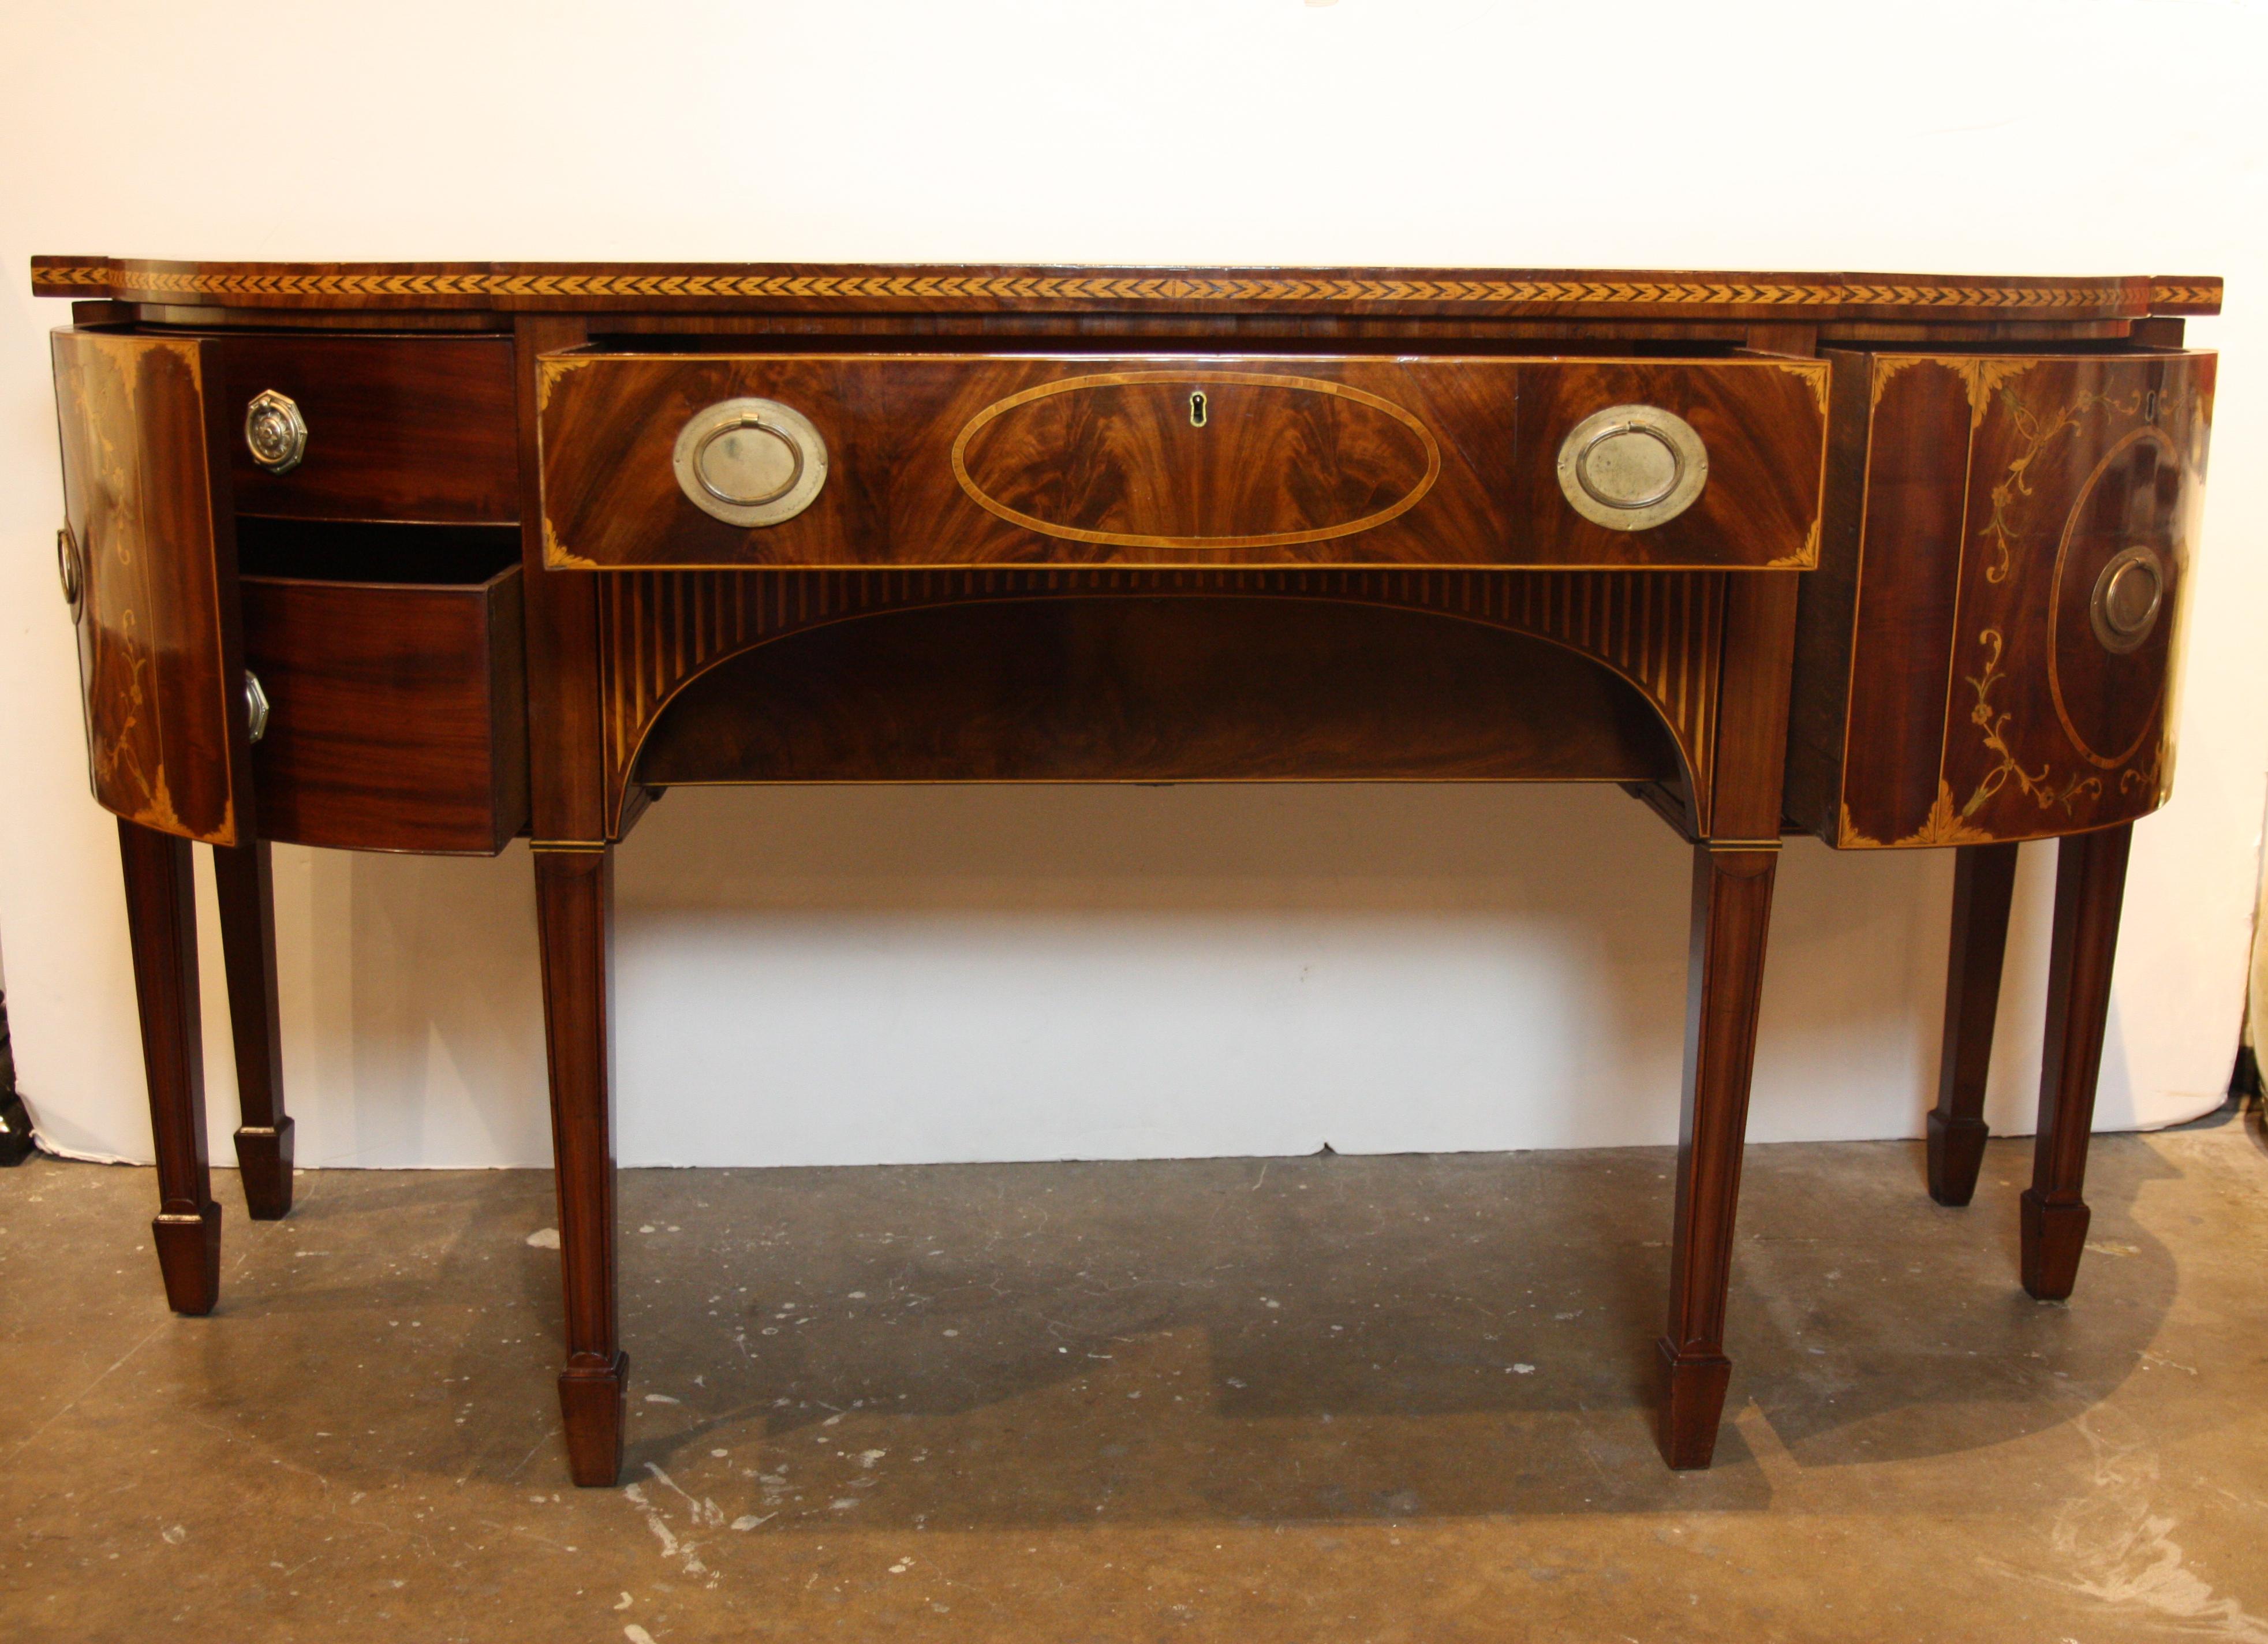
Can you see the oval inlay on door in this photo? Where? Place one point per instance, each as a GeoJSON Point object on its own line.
{"type": "Point", "coordinates": [1119, 459]}
{"type": "Point", "coordinates": [2108, 700]}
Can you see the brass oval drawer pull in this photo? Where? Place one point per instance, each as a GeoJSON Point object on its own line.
{"type": "Point", "coordinates": [750, 461]}
{"type": "Point", "coordinates": [2130, 592]}
{"type": "Point", "coordinates": [275, 431]}
{"type": "Point", "coordinates": [1630, 466]}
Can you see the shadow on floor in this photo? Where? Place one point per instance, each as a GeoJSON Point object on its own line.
{"type": "Point", "coordinates": [1249, 1340]}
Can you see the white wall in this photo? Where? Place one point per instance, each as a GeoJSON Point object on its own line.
{"type": "Point", "coordinates": [935, 973]}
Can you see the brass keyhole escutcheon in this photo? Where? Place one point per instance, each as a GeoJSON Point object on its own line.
{"type": "Point", "coordinates": [1199, 409]}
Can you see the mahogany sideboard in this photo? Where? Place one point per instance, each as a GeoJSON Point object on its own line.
{"type": "Point", "coordinates": [429, 556]}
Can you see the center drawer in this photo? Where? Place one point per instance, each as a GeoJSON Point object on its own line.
{"type": "Point", "coordinates": [812, 460]}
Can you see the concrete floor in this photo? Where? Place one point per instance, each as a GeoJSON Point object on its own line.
{"type": "Point", "coordinates": [1314, 1399]}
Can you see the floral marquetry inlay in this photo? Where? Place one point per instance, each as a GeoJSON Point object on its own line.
{"type": "Point", "coordinates": [1991, 724]}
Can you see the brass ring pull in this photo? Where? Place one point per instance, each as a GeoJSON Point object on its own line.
{"type": "Point", "coordinates": [715, 470]}
{"type": "Point", "coordinates": [274, 431]}
{"type": "Point", "coordinates": [255, 707]}
{"type": "Point", "coordinates": [1632, 466]}
{"type": "Point", "coordinates": [750, 461]}
{"type": "Point", "coordinates": [2130, 594]}
{"type": "Point", "coordinates": [71, 567]}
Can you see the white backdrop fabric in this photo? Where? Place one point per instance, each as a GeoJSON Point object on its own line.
{"type": "Point", "coordinates": [935, 973]}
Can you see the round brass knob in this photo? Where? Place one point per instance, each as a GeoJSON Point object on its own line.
{"type": "Point", "coordinates": [69, 567]}
{"type": "Point", "coordinates": [750, 461]}
{"type": "Point", "coordinates": [255, 707]}
{"type": "Point", "coordinates": [275, 431]}
{"type": "Point", "coordinates": [1630, 466]}
{"type": "Point", "coordinates": [2130, 592]}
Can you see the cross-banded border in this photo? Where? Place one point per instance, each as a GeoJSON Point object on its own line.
{"type": "Point", "coordinates": [254, 284]}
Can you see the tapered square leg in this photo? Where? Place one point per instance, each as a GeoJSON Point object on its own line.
{"type": "Point", "coordinates": [246, 887]}
{"type": "Point", "coordinates": [1732, 913]}
{"type": "Point", "coordinates": [574, 891]}
{"type": "Point", "coordinates": [1984, 883]}
{"type": "Point", "coordinates": [2091, 884]}
{"type": "Point", "coordinates": [1956, 1156]}
{"type": "Point", "coordinates": [161, 926]}
{"type": "Point", "coordinates": [592, 1405]}
{"type": "Point", "coordinates": [189, 1258]}
{"type": "Point", "coordinates": [1691, 1405]}
{"type": "Point", "coordinates": [2054, 1235]}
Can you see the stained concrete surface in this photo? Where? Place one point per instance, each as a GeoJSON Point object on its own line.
{"type": "Point", "coordinates": [1326, 1398]}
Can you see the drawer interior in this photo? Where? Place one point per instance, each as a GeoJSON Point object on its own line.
{"type": "Point", "coordinates": [339, 551]}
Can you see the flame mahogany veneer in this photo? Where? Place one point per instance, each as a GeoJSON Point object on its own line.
{"type": "Point", "coordinates": [1919, 582]}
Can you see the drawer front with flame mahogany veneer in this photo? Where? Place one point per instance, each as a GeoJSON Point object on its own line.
{"type": "Point", "coordinates": [403, 557]}
{"type": "Point", "coordinates": [396, 708]}
{"type": "Point", "coordinates": [1226, 461]}
{"type": "Point", "coordinates": [373, 428]}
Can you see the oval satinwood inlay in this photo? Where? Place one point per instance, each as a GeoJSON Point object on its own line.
{"type": "Point", "coordinates": [2127, 519]}
{"type": "Point", "coordinates": [1119, 460]}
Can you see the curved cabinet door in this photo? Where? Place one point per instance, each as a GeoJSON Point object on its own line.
{"type": "Point", "coordinates": [1989, 649]}
{"type": "Point", "coordinates": [2086, 482]}
{"type": "Point", "coordinates": [149, 563]}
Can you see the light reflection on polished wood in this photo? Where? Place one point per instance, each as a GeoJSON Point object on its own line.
{"type": "Point", "coordinates": [159, 662]}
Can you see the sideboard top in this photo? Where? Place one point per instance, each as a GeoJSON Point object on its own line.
{"type": "Point", "coordinates": [979, 289]}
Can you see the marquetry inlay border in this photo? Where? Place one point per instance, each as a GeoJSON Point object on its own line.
{"type": "Point", "coordinates": [1660, 630]}
{"type": "Point", "coordinates": [588, 286]}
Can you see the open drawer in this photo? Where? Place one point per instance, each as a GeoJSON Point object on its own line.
{"type": "Point", "coordinates": [397, 717]}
